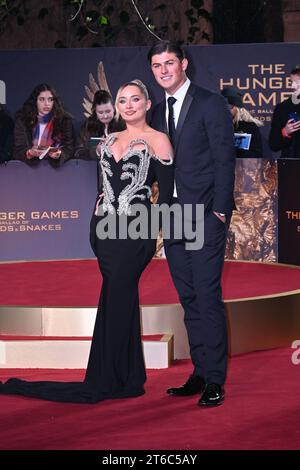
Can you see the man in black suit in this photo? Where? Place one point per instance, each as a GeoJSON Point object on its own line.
{"type": "Point", "coordinates": [285, 128]}
{"type": "Point", "coordinates": [200, 128]}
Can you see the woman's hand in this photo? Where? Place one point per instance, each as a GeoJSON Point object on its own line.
{"type": "Point", "coordinates": [155, 193]}
{"type": "Point", "coordinates": [55, 154]}
{"type": "Point", "coordinates": [292, 126]}
{"type": "Point", "coordinates": [33, 153]}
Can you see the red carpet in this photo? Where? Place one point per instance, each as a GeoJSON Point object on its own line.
{"type": "Point", "coordinates": [261, 411]}
{"type": "Point", "coordinates": [77, 283]}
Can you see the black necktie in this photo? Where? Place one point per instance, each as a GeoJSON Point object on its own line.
{"type": "Point", "coordinates": [171, 119]}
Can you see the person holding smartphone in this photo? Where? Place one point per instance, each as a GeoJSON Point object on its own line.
{"type": "Point", "coordinates": [244, 124]}
{"type": "Point", "coordinates": [284, 135]}
{"type": "Point", "coordinates": [43, 128]}
{"type": "Point", "coordinates": [98, 126]}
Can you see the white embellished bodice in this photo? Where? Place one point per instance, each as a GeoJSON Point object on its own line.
{"type": "Point", "coordinates": [130, 179]}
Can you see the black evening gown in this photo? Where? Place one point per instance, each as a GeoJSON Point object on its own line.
{"type": "Point", "coordinates": [116, 366]}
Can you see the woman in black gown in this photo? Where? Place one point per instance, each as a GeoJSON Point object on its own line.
{"type": "Point", "coordinates": [131, 161]}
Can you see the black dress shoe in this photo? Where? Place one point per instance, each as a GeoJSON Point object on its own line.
{"type": "Point", "coordinates": [195, 384]}
{"type": "Point", "coordinates": [213, 395]}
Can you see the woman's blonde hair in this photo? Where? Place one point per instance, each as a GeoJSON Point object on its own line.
{"type": "Point", "coordinates": [136, 82]}
{"type": "Point", "coordinates": [243, 115]}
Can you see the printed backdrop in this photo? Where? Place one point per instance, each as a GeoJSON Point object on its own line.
{"type": "Point", "coordinates": [260, 70]}
{"type": "Point", "coordinates": [45, 212]}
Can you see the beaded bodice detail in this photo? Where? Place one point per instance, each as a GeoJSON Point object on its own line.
{"type": "Point", "coordinates": [133, 168]}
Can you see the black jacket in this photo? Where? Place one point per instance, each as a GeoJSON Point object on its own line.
{"type": "Point", "coordinates": [255, 149]}
{"type": "Point", "coordinates": [204, 150]}
{"type": "Point", "coordinates": [290, 147]}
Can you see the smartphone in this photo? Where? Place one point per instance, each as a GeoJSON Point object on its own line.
{"type": "Point", "coordinates": [94, 141]}
{"type": "Point", "coordinates": [294, 116]}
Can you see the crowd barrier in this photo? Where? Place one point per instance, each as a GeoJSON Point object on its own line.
{"type": "Point", "coordinates": [45, 212]}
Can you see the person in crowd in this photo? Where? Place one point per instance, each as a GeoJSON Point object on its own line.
{"type": "Point", "coordinates": [200, 128]}
{"type": "Point", "coordinates": [131, 160]}
{"type": "Point", "coordinates": [100, 124]}
{"type": "Point", "coordinates": [43, 129]}
{"type": "Point", "coordinates": [6, 135]}
{"type": "Point", "coordinates": [285, 128]}
{"type": "Point", "coordinates": [244, 123]}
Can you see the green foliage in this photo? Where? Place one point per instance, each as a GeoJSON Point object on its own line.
{"type": "Point", "coordinates": [42, 13]}
{"type": "Point", "coordinates": [92, 15]}
{"type": "Point", "coordinates": [98, 23]}
{"type": "Point", "coordinates": [204, 14]}
{"type": "Point", "coordinates": [59, 44]}
{"type": "Point", "coordinates": [20, 20]}
{"type": "Point", "coordinates": [97, 20]}
{"type": "Point", "coordinates": [109, 10]}
{"type": "Point", "coordinates": [161, 7]}
{"type": "Point", "coordinates": [81, 32]}
{"type": "Point", "coordinates": [124, 17]}
{"type": "Point", "coordinates": [102, 20]}
{"type": "Point", "coordinates": [197, 3]}
{"type": "Point", "coordinates": [190, 15]}
{"type": "Point", "coordinates": [194, 14]}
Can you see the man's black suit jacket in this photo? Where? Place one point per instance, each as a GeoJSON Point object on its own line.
{"type": "Point", "coordinates": [204, 150]}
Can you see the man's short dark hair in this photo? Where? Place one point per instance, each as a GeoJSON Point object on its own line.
{"type": "Point", "coordinates": [166, 46]}
{"type": "Point", "coordinates": [296, 70]}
